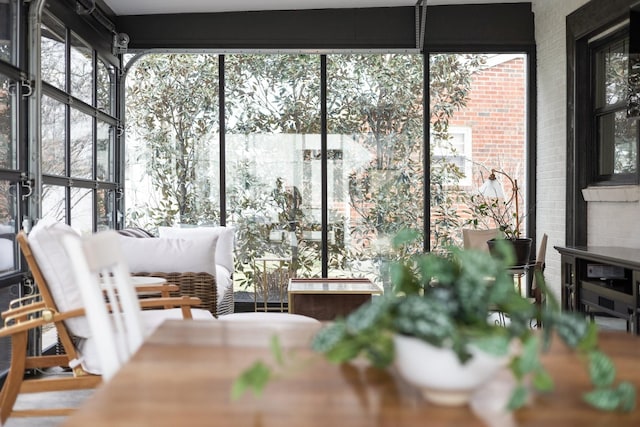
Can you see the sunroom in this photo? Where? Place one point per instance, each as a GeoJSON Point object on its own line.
{"type": "Point", "coordinates": [319, 132]}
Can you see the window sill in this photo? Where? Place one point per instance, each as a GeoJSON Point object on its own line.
{"type": "Point", "coordinates": [619, 193]}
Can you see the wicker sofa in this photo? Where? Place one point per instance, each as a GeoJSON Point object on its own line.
{"type": "Point", "coordinates": [198, 260]}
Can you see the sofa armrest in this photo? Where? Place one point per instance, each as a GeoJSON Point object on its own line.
{"type": "Point", "coordinates": [199, 285]}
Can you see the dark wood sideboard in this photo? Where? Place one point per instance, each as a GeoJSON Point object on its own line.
{"type": "Point", "coordinates": [602, 279]}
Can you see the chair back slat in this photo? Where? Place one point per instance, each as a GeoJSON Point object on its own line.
{"type": "Point", "coordinates": [111, 303]}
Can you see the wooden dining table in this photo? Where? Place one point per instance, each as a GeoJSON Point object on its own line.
{"type": "Point", "coordinates": [183, 375]}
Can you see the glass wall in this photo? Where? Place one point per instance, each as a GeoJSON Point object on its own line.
{"type": "Point", "coordinates": [9, 31]}
{"type": "Point", "coordinates": [78, 135]}
{"type": "Point", "coordinates": [478, 124]}
{"type": "Point", "coordinates": [78, 131]}
{"type": "Point", "coordinates": [375, 158]}
{"type": "Point", "coordinates": [272, 143]}
{"type": "Point", "coordinates": [289, 182]}
{"type": "Point", "coordinates": [172, 146]}
{"type": "Point", "coordinates": [12, 109]}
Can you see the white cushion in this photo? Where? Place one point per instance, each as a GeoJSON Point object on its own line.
{"type": "Point", "coordinates": [224, 283]}
{"type": "Point", "coordinates": [168, 255]}
{"type": "Point", "coordinates": [224, 237]}
{"type": "Point", "coordinates": [45, 240]}
{"type": "Point", "coordinates": [151, 319]}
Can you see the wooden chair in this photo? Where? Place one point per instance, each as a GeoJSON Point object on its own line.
{"type": "Point", "coordinates": [111, 303]}
{"type": "Point", "coordinates": [53, 306]}
{"type": "Point", "coordinates": [538, 270]}
{"type": "Point", "coordinates": [477, 239]}
{"type": "Point", "coordinates": [24, 315]}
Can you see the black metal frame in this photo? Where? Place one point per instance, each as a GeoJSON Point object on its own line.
{"type": "Point", "coordinates": [588, 21]}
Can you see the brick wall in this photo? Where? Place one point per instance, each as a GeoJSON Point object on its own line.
{"type": "Point", "coordinates": [496, 114]}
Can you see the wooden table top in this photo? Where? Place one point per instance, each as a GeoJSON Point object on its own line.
{"type": "Point", "coordinates": [182, 376]}
{"type": "Point", "coordinates": [333, 286]}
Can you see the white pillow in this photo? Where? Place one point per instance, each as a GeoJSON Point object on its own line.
{"type": "Point", "coordinates": [164, 255]}
{"type": "Point", "coordinates": [223, 235]}
{"type": "Point", "coordinates": [45, 240]}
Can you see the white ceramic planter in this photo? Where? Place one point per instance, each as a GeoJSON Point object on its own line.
{"type": "Point", "coordinates": [438, 373]}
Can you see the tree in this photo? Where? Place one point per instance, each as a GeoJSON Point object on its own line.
{"type": "Point", "coordinates": [378, 99]}
{"type": "Point", "coordinates": [375, 99]}
{"type": "Point", "coordinates": [173, 107]}
{"type": "Point", "coordinates": [271, 95]}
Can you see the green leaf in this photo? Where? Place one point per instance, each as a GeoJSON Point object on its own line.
{"type": "Point", "coordinates": [496, 344]}
{"type": "Point", "coordinates": [627, 393]}
{"type": "Point", "coordinates": [603, 399]}
{"type": "Point", "coordinates": [403, 279]}
{"type": "Point", "coordinates": [404, 237]}
{"type": "Point", "coordinates": [590, 339]}
{"type": "Point", "coordinates": [276, 350]}
{"type": "Point", "coordinates": [381, 351]}
{"type": "Point", "coordinates": [343, 351]}
{"type": "Point", "coordinates": [528, 360]}
{"type": "Point", "coordinates": [542, 381]}
{"type": "Point", "coordinates": [601, 369]}
{"type": "Point", "coordinates": [518, 398]}
{"type": "Point", "coordinates": [329, 336]}
{"type": "Point", "coordinates": [254, 378]}
{"type": "Point", "coordinates": [571, 327]}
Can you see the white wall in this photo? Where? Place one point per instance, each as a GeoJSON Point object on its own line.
{"type": "Point", "coordinates": [614, 221]}
{"type": "Point", "coordinates": [550, 27]}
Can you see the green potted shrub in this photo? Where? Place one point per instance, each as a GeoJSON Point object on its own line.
{"type": "Point", "coordinates": [445, 302]}
{"type": "Point", "coordinates": [490, 208]}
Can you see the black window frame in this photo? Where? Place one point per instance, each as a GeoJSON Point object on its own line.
{"type": "Point", "coordinates": [597, 112]}
{"type": "Point", "coordinates": [93, 110]}
{"type": "Point", "coordinates": [584, 24]}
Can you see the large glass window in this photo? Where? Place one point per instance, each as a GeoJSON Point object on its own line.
{"type": "Point", "coordinates": [273, 181]}
{"type": "Point", "coordinates": [81, 144]}
{"type": "Point", "coordinates": [172, 160]}
{"type": "Point", "coordinates": [53, 137]}
{"type": "Point", "coordinates": [78, 131]}
{"type": "Point", "coordinates": [322, 202]}
{"type": "Point", "coordinates": [105, 87]}
{"type": "Point", "coordinates": [8, 31]}
{"type": "Point", "coordinates": [53, 53]}
{"type": "Point", "coordinates": [615, 135]}
{"type": "Point", "coordinates": [105, 152]}
{"type": "Point", "coordinates": [11, 152]}
{"type": "Point", "coordinates": [81, 70]}
{"type": "Point", "coordinates": [375, 118]}
{"type": "Point", "coordinates": [478, 123]}
{"type": "Point", "coordinates": [82, 209]}
{"type": "Point", "coordinates": [8, 103]}
{"type": "Point", "coordinates": [8, 219]}
{"type": "Point", "coordinates": [54, 202]}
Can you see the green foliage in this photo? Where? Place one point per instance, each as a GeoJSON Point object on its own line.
{"type": "Point", "coordinates": [172, 105]}
{"type": "Point", "coordinates": [260, 373]}
{"type": "Point", "coordinates": [490, 212]}
{"type": "Point", "coordinates": [447, 300]}
{"type": "Point", "coordinates": [169, 110]}
{"type": "Point", "coordinates": [255, 379]}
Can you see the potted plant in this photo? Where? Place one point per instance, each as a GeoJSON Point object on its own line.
{"type": "Point", "coordinates": [443, 303]}
{"type": "Point", "coordinates": [490, 208]}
